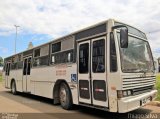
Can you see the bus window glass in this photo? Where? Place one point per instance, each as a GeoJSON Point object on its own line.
{"type": "Point", "coordinates": [6, 71]}
{"type": "Point", "coordinates": [56, 47]}
{"type": "Point", "coordinates": [29, 66]}
{"type": "Point", "coordinates": [25, 67]}
{"type": "Point", "coordinates": [98, 56]}
{"type": "Point", "coordinates": [20, 65]}
{"type": "Point", "coordinates": [83, 58]}
{"type": "Point", "coordinates": [37, 53]}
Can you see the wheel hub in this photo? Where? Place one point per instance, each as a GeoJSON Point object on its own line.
{"type": "Point", "coordinates": [13, 88]}
{"type": "Point", "coordinates": [62, 95]}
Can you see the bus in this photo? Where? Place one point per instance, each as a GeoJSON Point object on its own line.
{"type": "Point", "coordinates": [107, 66]}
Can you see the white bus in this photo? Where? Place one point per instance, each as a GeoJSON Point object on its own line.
{"type": "Point", "coordinates": [108, 66]}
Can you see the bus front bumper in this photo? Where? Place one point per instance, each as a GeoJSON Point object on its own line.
{"type": "Point", "coordinates": [134, 102]}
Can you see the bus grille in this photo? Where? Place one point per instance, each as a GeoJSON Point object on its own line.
{"type": "Point", "coordinates": [138, 83]}
{"type": "Point", "coordinates": [137, 91]}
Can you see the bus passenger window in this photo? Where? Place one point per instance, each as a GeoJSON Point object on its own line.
{"type": "Point", "coordinates": [37, 53]}
{"type": "Point", "coordinates": [83, 58]}
{"type": "Point", "coordinates": [98, 56]}
{"type": "Point", "coordinates": [25, 67]}
{"type": "Point", "coordinates": [6, 70]}
{"type": "Point", "coordinates": [29, 66]}
{"type": "Point", "coordinates": [56, 47]}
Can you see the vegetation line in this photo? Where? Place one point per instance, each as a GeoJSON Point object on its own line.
{"type": "Point", "coordinates": [158, 87]}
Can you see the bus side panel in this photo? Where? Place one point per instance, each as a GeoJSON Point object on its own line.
{"type": "Point", "coordinates": [11, 76]}
{"type": "Point", "coordinates": [68, 72]}
{"type": "Point", "coordinates": [3, 78]}
{"type": "Point", "coordinates": [42, 81]}
{"type": "Point", "coordinates": [19, 80]}
{"type": "Point", "coordinates": [17, 76]}
{"type": "Point", "coordinates": [72, 80]}
{"type": "Point", "coordinates": [44, 78]}
{"type": "Point", "coordinates": [114, 80]}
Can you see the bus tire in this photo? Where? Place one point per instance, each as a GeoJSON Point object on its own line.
{"type": "Point", "coordinates": [65, 96]}
{"type": "Point", "coordinates": [13, 88]}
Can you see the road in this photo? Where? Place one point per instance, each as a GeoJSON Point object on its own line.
{"type": "Point", "coordinates": [26, 106]}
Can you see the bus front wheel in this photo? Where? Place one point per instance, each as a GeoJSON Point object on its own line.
{"type": "Point", "coordinates": [65, 96]}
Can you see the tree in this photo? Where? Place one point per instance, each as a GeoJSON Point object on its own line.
{"type": "Point", "coordinates": [1, 61]}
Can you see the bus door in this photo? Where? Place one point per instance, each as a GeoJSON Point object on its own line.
{"type": "Point", "coordinates": [7, 73]}
{"type": "Point", "coordinates": [92, 72]}
{"type": "Point", "coordinates": [26, 74]}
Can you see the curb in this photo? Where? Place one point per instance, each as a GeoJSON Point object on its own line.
{"type": "Point", "coordinates": [154, 103]}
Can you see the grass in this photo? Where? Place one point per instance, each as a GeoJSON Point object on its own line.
{"type": "Point", "coordinates": [0, 78]}
{"type": "Point", "coordinates": [158, 86]}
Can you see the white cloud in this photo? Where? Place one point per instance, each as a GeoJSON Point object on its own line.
{"type": "Point", "coordinates": [3, 49]}
{"type": "Point", "coordinates": [59, 17]}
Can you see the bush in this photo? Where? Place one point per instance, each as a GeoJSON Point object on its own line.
{"type": "Point", "coordinates": [158, 87]}
{"type": "Point", "coordinates": [0, 78]}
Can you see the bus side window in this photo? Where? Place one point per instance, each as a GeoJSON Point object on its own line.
{"type": "Point", "coordinates": [9, 68]}
{"type": "Point", "coordinates": [113, 56]}
{"type": "Point", "coordinates": [25, 67]}
{"type": "Point", "coordinates": [83, 58]}
{"type": "Point", "coordinates": [29, 66]}
{"type": "Point", "coordinates": [6, 69]}
{"type": "Point", "coordinates": [98, 56]}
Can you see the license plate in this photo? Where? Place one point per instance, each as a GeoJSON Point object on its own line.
{"type": "Point", "coordinates": [145, 100]}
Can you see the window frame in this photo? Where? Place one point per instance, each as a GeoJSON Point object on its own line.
{"type": "Point", "coordinates": [55, 44]}
{"type": "Point", "coordinates": [41, 56]}
{"type": "Point", "coordinates": [57, 54]}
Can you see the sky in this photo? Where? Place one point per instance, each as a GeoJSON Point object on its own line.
{"type": "Point", "coordinates": [41, 21]}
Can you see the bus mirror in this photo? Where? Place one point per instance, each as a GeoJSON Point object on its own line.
{"type": "Point", "coordinates": [124, 37]}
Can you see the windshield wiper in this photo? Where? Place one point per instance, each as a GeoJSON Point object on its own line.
{"type": "Point", "coordinates": [130, 70]}
{"type": "Point", "coordinates": [142, 70]}
{"type": "Point", "coordinates": [136, 70]}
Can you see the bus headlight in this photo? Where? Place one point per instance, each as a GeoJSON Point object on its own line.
{"type": "Point", "coordinates": [129, 92]}
{"type": "Point", "coordinates": [124, 93]}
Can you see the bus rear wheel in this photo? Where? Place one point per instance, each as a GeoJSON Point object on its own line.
{"type": "Point", "coordinates": [65, 96]}
{"type": "Point", "coordinates": [13, 88]}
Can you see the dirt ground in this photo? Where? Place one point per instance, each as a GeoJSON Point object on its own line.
{"type": "Point", "coordinates": [24, 106]}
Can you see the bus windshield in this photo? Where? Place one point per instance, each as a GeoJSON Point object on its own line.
{"type": "Point", "coordinates": [137, 57]}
